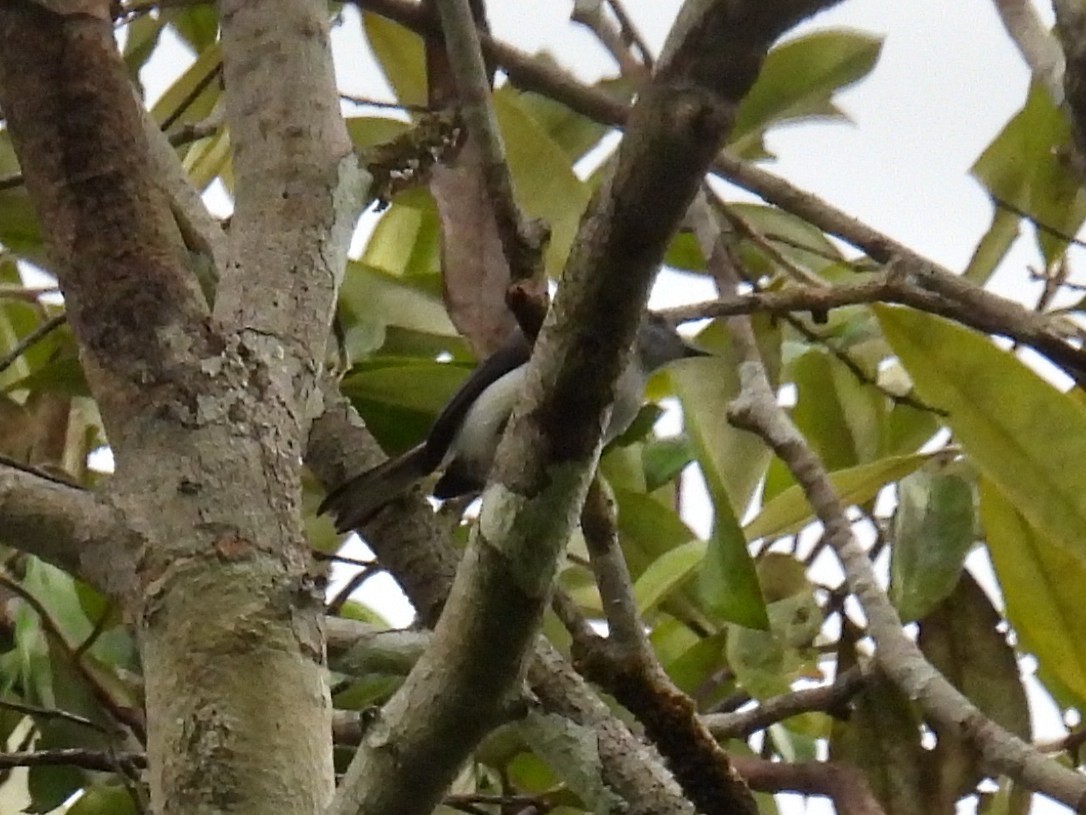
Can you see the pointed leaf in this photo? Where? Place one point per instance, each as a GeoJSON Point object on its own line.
{"type": "Point", "coordinates": [798, 81]}
{"type": "Point", "coordinates": [1026, 436]}
{"type": "Point", "coordinates": [789, 511]}
{"type": "Point", "coordinates": [933, 532]}
{"type": "Point", "coordinates": [400, 54]}
{"type": "Point", "coordinates": [1042, 588]}
{"type": "Point", "coordinates": [1030, 166]}
{"type": "Point", "coordinates": [667, 573]}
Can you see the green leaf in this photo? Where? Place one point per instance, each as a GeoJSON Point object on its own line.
{"type": "Point", "coordinates": [573, 133]}
{"type": "Point", "coordinates": [195, 92]}
{"type": "Point", "coordinates": [20, 231]}
{"type": "Point", "coordinates": [819, 413]}
{"type": "Point", "coordinates": [664, 459]}
{"type": "Point", "coordinates": [793, 238]}
{"type": "Point", "coordinates": [798, 80]}
{"type": "Point", "coordinates": [366, 131]}
{"type": "Point", "coordinates": [209, 159]}
{"type": "Point", "coordinates": [993, 246]}
{"type": "Point", "coordinates": [424, 386]}
{"type": "Point", "coordinates": [198, 25]}
{"type": "Point", "coordinates": [1030, 166]}
{"type": "Point", "coordinates": [728, 583]}
{"type": "Point", "coordinates": [400, 402]}
{"type": "Point", "coordinates": [407, 239]}
{"type": "Point", "coordinates": [667, 573]}
{"type": "Point", "coordinates": [1023, 434]}
{"type": "Point", "coordinates": [400, 55]}
{"type": "Point", "coordinates": [104, 799]}
{"type": "Point", "coordinates": [652, 528]}
{"type": "Point", "coordinates": [933, 532]}
{"type": "Point", "coordinates": [881, 736]}
{"type": "Point", "coordinates": [789, 511]}
{"type": "Point", "coordinates": [373, 295]}
{"type": "Point", "coordinates": [141, 39]}
{"type": "Point", "coordinates": [735, 457]}
{"type": "Point", "coordinates": [1041, 584]}
{"type": "Point", "coordinates": [543, 179]}
{"type": "Point", "coordinates": [766, 662]}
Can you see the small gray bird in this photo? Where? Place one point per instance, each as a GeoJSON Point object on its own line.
{"type": "Point", "coordinates": [465, 436]}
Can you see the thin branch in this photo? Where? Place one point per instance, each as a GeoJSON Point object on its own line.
{"type": "Point", "coordinates": [53, 713]}
{"type": "Point", "coordinates": [827, 698]}
{"type": "Point", "coordinates": [625, 665]}
{"type": "Point", "coordinates": [930, 287]}
{"type": "Point", "coordinates": [40, 331]}
{"type": "Point", "coordinates": [366, 101]}
{"type": "Point", "coordinates": [1039, 225]}
{"type": "Point", "coordinates": [590, 14]}
{"type": "Point", "coordinates": [477, 111]}
{"type": "Point", "coordinates": [630, 34]}
{"type": "Point", "coordinates": [756, 410]}
{"type": "Point", "coordinates": [100, 760]}
{"type": "Point", "coordinates": [844, 784]}
{"type": "Point", "coordinates": [625, 629]}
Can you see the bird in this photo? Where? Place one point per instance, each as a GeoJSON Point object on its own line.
{"type": "Point", "coordinates": [464, 438]}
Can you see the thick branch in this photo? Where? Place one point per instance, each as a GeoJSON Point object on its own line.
{"type": "Point", "coordinates": [298, 185]}
{"type": "Point", "coordinates": [66, 526]}
{"type": "Point", "coordinates": [111, 237]}
{"type": "Point", "coordinates": [544, 463]}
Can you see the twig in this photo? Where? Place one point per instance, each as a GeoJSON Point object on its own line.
{"type": "Point", "coordinates": [751, 233]}
{"type": "Point", "coordinates": [845, 784]}
{"type": "Point", "coordinates": [1039, 225]}
{"type": "Point", "coordinates": [52, 713]}
{"type": "Point", "coordinates": [630, 34]}
{"type": "Point", "coordinates": [39, 332]}
{"type": "Point", "coordinates": [343, 595]}
{"type": "Point", "coordinates": [625, 629]}
{"type": "Point", "coordinates": [627, 667]}
{"type": "Point", "coordinates": [102, 760]}
{"type": "Point", "coordinates": [366, 101]}
{"type": "Point", "coordinates": [825, 698]}
{"type": "Point", "coordinates": [953, 297]}
{"type": "Point", "coordinates": [590, 14]}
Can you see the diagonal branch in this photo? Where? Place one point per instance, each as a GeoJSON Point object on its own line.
{"type": "Point", "coordinates": [459, 688]}
{"type": "Point", "coordinates": [757, 410]}
{"type": "Point", "coordinates": [64, 525]}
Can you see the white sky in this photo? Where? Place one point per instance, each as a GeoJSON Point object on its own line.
{"type": "Point", "coordinates": [948, 79]}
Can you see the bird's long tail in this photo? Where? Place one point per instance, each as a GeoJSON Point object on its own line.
{"type": "Point", "coordinates": [357, 500]}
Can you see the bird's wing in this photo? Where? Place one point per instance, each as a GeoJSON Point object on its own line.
{"type": "Point", "coordinates": [514, 353]}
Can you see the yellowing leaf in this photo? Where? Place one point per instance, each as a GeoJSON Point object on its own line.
{"type": "Point", "coordinates": [1042, 588]}
{"type": "Point", "coordinates": [1023, 434]}
{"type": "Point", "coordinates": [789, 512]}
